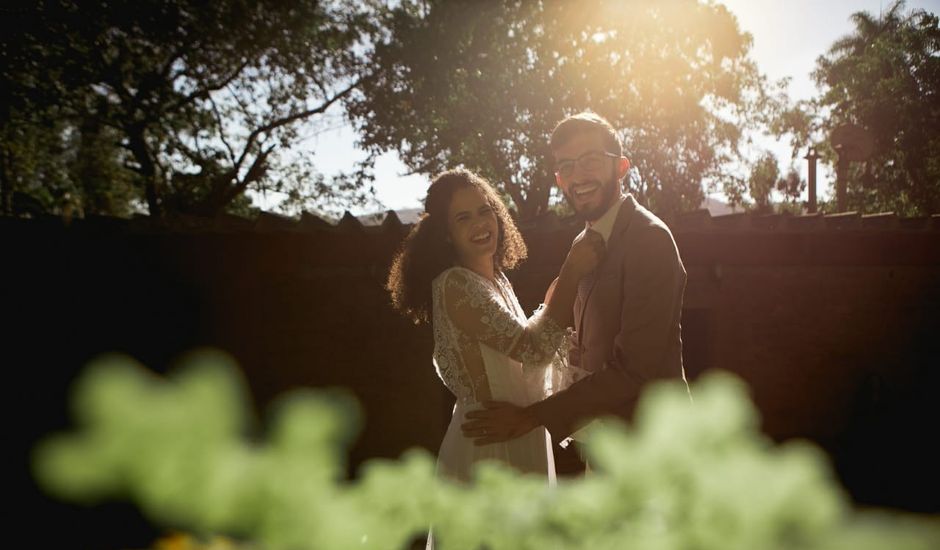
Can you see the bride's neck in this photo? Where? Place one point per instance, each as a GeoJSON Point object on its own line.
{"type": "Point", "coordinates": [485, 267]}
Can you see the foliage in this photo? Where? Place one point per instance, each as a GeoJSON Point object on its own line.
{"type": "Point", "coordinates": [47, 165]}
{"type": "Point", "coordinates": [764, 175]}
{"type": "Point", "coordinates": [192, 102]}
{"type": "Point", "coordinates": [33, 152]}
{"type": "Point", "coordinates": [791, 187]}
{"type": "Point", "coordinates": [885, 77]}
{"type": "Point", "coordinates": [684, 476]}
{"type": "Point", "coordinates": [765, 178]}
{"type": "Point", "coordinates": [483, 84]}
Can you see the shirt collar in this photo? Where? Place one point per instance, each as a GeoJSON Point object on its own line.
{"type": "Point", "coordinates": [605, 224]}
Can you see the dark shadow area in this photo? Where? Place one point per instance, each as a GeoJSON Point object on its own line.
{"type": "Point", "coordinates": [887, 456]}
{"type": "Point", "coordinates": [67, 298]}
{"type": "Point", "coordinates": [835, 334]}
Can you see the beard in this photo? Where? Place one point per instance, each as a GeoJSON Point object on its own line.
{"type": "Point", "coordinates": [609, 191]}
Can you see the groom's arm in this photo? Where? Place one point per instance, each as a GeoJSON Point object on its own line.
{"type": "Point", "coordinates": [647, 347]}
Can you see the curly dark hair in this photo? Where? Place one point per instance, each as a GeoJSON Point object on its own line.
{"type": "Point", "coordinates": [426, 252]}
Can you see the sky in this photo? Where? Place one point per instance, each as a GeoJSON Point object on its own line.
{"type": "Point", "coordinates": [788, 37]}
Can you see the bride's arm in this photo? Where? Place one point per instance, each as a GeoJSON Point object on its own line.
{"type": "Point", "coordinates": [551, 288]}
{"type": "Point", "coordinates": [473, 308]}
{"type": "Point", "coordinates": [475, 311]}
{"type": "Point", "coordinates": [548, 297]}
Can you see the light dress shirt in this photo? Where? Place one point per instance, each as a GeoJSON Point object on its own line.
{"type": "Point", "coordinates": [605, 224]}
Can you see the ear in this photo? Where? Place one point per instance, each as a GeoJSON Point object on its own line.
{"type": "Point", "coordinates": [558, 181]}
{"type": "Point", "coordinates": [623, 166]}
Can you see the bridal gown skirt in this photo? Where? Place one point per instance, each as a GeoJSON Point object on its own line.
{"type": "Point", "coordinates": [531, 453]}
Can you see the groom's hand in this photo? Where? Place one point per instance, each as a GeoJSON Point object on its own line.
{"type": "Point", "coordinates": [497, 422]}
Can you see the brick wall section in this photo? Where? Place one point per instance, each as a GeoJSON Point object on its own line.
{"type": "Point", "coordinates": [833, 321]}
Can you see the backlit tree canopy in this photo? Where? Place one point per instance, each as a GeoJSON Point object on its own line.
{"type": "Point", "coordinates": [884, 77]}
{"type": "Point", "coordinates": [192, 101]}
{"type": "Point", "coordinates": [483, 83]}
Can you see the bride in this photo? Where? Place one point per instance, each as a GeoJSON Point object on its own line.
{"type": "Point", "coordinates": [449, 271]}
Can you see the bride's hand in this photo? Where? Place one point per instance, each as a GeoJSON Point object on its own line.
{"type": "Point", "coordinates": [497, 422]}
{"type": "Point", "coordinates": [586, 253]}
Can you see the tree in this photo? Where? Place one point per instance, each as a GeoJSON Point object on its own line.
{"type": "Point", "coordinates": [884, 77]}
{"type": "Point", "coordinates": [33, 151]}
{"type": "Point", "coordinates": [192, 101]}
{"type": "Point", "coordinates": [483, 84]}
{"type": "Point", "coordinates": [791, 187]}
{"type": "Point", "coordinates": [763, 178]}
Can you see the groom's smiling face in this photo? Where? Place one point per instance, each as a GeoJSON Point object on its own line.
{"type": "Point", "coordinates": [588, 175]}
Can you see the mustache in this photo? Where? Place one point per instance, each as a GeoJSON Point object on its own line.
{"type": "Point", "coordinates": [570, 193]}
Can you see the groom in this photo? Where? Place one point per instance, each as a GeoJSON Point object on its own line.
{"type": "Point", "coordinates": [626, 315]}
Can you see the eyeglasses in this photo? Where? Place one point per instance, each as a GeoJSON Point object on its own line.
{"type": "Point", "coordinates": [588, 162]}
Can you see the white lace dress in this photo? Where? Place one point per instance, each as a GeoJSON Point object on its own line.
{"type": "Point", "coordinates": [486, 348]}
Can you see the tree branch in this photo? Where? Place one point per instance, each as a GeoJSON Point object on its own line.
{"type": "Point", "coordinates": [273, 125]}
{"type": "Point", "coordinates": [212, 87]}
{"type": "Point", "coordinates": [218, 119]}
{"type": "Point", "coordinates": [514, 189]}
{"type": "Point", "coordinates": [255, 173]}
{"type": "Point", "coordinates": [137, 144]}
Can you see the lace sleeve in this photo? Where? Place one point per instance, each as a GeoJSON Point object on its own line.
{"type": "Point", "coordinates": [550, 377]}
{"type": "Point", "coordinates": [475, 309]}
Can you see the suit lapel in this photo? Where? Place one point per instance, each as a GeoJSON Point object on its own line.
{"type": "Point", "coordinates": [621, 225]}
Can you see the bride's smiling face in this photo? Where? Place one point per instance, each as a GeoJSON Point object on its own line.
{"type": "Point", "coordinates": [472, 226]}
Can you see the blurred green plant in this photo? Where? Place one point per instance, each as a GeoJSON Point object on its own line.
{"type": "Point", "coordinates": [682, 477]}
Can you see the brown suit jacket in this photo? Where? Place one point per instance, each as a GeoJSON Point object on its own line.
{"type": "Point", "coordinates": [626, 318]}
